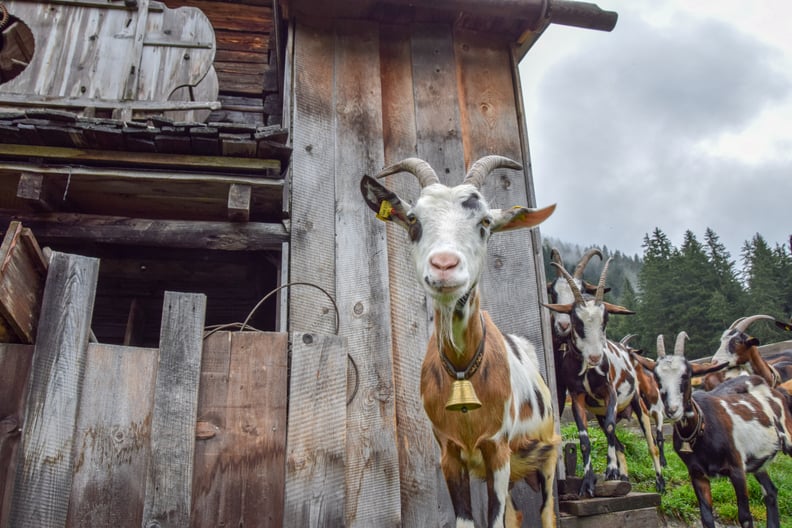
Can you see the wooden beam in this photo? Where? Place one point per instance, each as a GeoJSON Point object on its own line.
{"type": "Point", "coordinates": [44, 475]}
{"type": "Point", "coordinates": [225, 236]}
{"type": "Point", "coordinates": [148, 159]}
{"type": "Point", "coordinates": [239, 203]}
{"type": "Point", "coordinates": [42, 192]}
{"type": "Point", "coordinates": [169, 477]}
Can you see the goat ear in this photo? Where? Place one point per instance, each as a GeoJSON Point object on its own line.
{"type": "Point", "coordinates": [784, 326]}
{"type": "Point", "coordinates": [752, 342]}
{"type": "Point", "coordinates": [616, 309]}
{"type": "Point", "coordinates": [645, 362]}
{"type": "Point", "coordinates": [561, 308]}
{"type": "Point", "coordinates": [386, 203]}
{"type": "Point", "coordinates": [518, 217]}
{"type": "Point", "coordinates": [701, 369]}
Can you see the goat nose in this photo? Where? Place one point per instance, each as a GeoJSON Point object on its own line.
{"type": "Point", "coordinates": [564, 326]}
{"type": "Point", "coordinates": [444, 261]}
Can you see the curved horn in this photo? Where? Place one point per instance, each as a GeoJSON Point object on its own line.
{"type": "Point", "coordinates": [743, 324]}
{"type": "Point", "coordinates": [479, 171]}
{"type": "Point", "coordinates": [626, 339]}
{"type": "Point", "coordinates": [679, 346]}
{"type": "Point", "coordinates": [660, 346]}
{"type": "Point", "coordinates": [555, 256]}
{"type": "Point", "coordinates": [416, 166]}
{"type": "Point", "coordinates": [601, 286]}
{"type": "Point", "coordinates": [584, 260]}
{"type": "Point", "coordinates": [575, 290]}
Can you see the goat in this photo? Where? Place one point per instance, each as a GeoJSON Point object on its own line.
{"type": "Point", "coordinates": [558, 292]}
{"type": "Point", "coordinates": [735, 429]}
{"type": "Point", "coordinates": [513, 434]}
{"type": "Point", "coordinates": [650, 394]}
{"type": "Point", "coordinates": [601, 378]}
{"type": "Point", "coordinates": [739, 350]}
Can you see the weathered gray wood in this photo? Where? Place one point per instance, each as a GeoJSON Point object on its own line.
{"type": "Point", "coordinates": [44, 194]}
{"type": "Point", "coordinates": [169, 475]}
{"type": "Point", "coordinates": [15, 361]}
{"type": "Point", "coordinates": [312, 190]}
{"type": "Point", "coordinates": [643, 517]}
{"type": "Point", "coordinates": [112, 436]}
{"type": "Point", "coordinates": [44, 473]}
{"type": "Point", "coordinates": [316, 453]}
{"type": "Point", "coordinates": [239, 202]}
{"type": "Point", "coordinates": [372, 480]}
{"type": "Point", "coordinates": [238, 477]}
{"type": "Point", "coordinates": [250, 236]}
{"type": "Point", "coordinates": [439, 134]}
{"type": "Point", "coordinates": [600, 505]}
{"type": "Point", "coordinates": [418, 451]}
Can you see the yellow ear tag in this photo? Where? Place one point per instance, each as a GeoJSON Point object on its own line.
{"type": "Point", "coordinates": [385, 211]}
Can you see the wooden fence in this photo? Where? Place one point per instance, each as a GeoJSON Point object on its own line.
{"type": "Point", "coordinates": [192, 433]}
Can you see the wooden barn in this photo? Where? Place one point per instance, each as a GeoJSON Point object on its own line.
{"type": "Point", "coordinates": [200, 322]}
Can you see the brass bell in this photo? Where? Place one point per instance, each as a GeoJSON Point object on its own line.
{"type": "Point", "coordinates": [685, 447]}
{"type": "Point", "coordinates": [463, 397]}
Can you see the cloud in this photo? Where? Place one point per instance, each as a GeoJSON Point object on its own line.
{"type": "Point", "coordinates": [637, 129]}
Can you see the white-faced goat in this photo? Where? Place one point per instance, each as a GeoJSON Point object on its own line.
{"type": "Point", "coordinates": [512, 435]}
{"type": "Point", "coordinates": [559, 292]}
{"type": "Point", "coordinates": [740, 350]}
{"type": "Point", "coordinates": [735, 429]}
{"type": "Point", "coordinates": [601, 378]}
{"type": "Point", "coordinates": [650, 394]}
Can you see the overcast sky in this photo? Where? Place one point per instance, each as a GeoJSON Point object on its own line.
{"type": "Point", "coordinates": [680, 118]}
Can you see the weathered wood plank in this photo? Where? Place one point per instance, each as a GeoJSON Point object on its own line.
{"type": "Point", "coordinates": [312, 190]}
{"type": "Point", "coordinates": [436, 102]}
{"type": "Point", "coordinates": [250, 236]}
{"type": "Point", "coordinates": [43, 193]}
{"type": "Point", "coordinates": [316, 456]}
{"type": "Point", "coordinates": [112, 436]}
{"type": "Point", "coordinates": [372, 480]}
{"type": "Point", "coordinates": [169, 476]}
{"type": "Point", "coordinates": [601, 505]}
{"type": "Point", "coordinates": [44, 474]}
{"type": "Point", "coordinates": [239, 202]}
{"type": "Point", "coordinates": [239, 475]}
{"type": "Point", "coordinates": [418, 453]}
{"type": "Point", "coordinates": [15, 361]}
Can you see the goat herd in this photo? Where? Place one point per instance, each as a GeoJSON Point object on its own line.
{"type": "Point", "coordinates": [490, 408]}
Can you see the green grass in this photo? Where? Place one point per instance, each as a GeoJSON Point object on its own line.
{"type": "Point", "coordinates": [679, 501]}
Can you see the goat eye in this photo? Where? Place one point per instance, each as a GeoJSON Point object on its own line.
{"type": "Point", "coordinates": [411, 218]}
{"type": "Point", "coordinates": [486, 221]}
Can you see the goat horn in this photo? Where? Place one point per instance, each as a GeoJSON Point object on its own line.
{"type": "Point", "coordinates": [555, 256]}
{"type": "Point", "coordinates": [735, 323]}
{"type": "Point", "coordinates": [417, 167]}
{"type": "Point", "coordinates": [479, 171]}
{"type": "Point", "coordinates": [584, 260]}
{"type": "Point", "coordinates": [626, 339]}
{"type": "Point", "coordinates": [601, 286]}
{"type": "Point", "coordinates": [575, 290]}
{"type": "Point", "coordinates": [679, 346]}
{"type": "Point", "coordinates": [660, 346]}
{"type": "Point", "coordinates": [745, 322]}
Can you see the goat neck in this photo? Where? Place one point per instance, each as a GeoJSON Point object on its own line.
{"type": "Point", "coordinates": [459, 329]}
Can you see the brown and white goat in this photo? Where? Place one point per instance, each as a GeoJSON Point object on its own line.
{"type": "Point", "coordinates": [513, 434]}
{"type": "Point", "coordinates": [740, 350]}
{"type": "Point", "coordinates": [600, 378]}
{"type": "Point", "coordinates": [650, 394]}
{"type": "Point", "coordinates": [735, 429]}
{"type": "Point", "coordinates": [559, 292]}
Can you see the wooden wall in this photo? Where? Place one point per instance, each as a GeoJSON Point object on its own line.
{"type": "Point", "coordinates": [362, 95]}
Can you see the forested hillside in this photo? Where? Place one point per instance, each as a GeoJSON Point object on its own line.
{"type": "Point", "coordinates": [699, 288]}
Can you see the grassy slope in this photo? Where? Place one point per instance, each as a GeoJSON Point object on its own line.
{"type": "Point", "coordinates": [679, 501]}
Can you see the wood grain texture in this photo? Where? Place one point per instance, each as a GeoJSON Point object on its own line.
{"type": "Point", "coordinates": [15, 361]}
{"type": "Point", "coordinates": [372, 479]}
{"type": "Point", "coordinates": [410, 317]}
{"type": "Point", "coordinates": [238, 475]}
{"type": "Point", "coordinates": [316, 453]}
{"type": "Point", "coordinates": [169, 476]}
{"type": "Point", "coordinates": [44, 472]}
{"type": "Point", "coordinates": [112, 436]}
{"type": "Point", "coordinates": [312, 190]}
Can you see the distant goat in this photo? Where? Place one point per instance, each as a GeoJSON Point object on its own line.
{"type": "Point", "coordinates": [739, 350]}
{"type": "Point", "coordinates": [600, 378]}
{"type": "Point", "coordinates": [735, 429]}
{"type": "Point", "coordinates": [650, 394]}
{"type": "Point", "coordinates": [559, 292]}
{"type": "Point", "coordinates": [512, 435]}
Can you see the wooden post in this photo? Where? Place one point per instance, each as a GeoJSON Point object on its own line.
{"type": "Point", "coordinates": [169, 478]}
{"type": "Point", "coordinates": [44, 473]}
